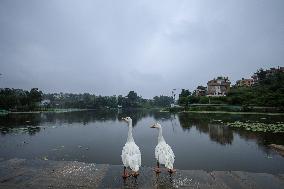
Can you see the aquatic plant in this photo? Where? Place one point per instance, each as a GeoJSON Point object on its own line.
{"type": "Point", "coordinates": [259, 127]}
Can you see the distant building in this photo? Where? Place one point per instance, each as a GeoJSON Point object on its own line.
{"type": "Point", "coordinates": [245, 82]}
{"type": "Point", "coordinates": [200, 91]}
{"type": "Point", "coordinates": [272, 71]}
{"type": "Point", "coordinates": [175, 106]}
{"type": "Point", "coordinates": [254, 78]}
{"type": "Point", "coordinates": [45, 102]}
{"type": "Point", "coordinates": [218, 87]}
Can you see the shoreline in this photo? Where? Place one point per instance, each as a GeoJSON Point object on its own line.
{"type": "Point", "coordinates": [227, 112]}
{"type": "Point", "coordinates": [45, 111]}
{"type": "Point", "coordinates": [161, 110]}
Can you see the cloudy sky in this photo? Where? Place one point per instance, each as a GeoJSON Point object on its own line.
{"type": "Point", "coordinates": [110, 47]}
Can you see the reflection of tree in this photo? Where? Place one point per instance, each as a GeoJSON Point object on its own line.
{"type": "Point", "coordinates": [29, 123]}
{"type": "Point", "coordinates": [17, 123]}
{"type": "Point", "coordinates": [31, 130]}
{"type": "Point", "coordinates": [14, 120]}
{"type": "Point", "coordinates": [162, 116]}
{"type": "Point", "coordinates": [221, 134]}
{"type": "Point", "coordinates": [135, 114]}
{"type": "Point", "coordinates": [217, 133]}
{"type": "Point", "coordinates": [205, 123]}
{"type": "Point", "coordinates": [189, 120]}
{"type": "Point", "coordinates": [80, 117]}
{"type": "Point", "coordinates": [261, 138]}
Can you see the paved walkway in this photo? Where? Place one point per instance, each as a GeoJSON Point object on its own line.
{"type": "Point", "coordinates": [21, 173]}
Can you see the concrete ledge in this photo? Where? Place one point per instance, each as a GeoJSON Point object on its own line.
{"type": "Point", "coordinates": [21, 173]}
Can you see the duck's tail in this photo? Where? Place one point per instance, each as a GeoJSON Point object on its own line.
{"type": "Point", "coordinates": [134, 162]}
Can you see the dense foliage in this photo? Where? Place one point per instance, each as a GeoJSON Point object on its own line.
{"type": "Point", "coordinates": [86, 100]}
{"type": "Point", "coordinates": [18, 99]}
{"type": "Point", "coordinates": [268, 92]}
{"type": "Point", "coordinates": [162, 101]}
{"type": "Point", "coordinates": [184, 98]}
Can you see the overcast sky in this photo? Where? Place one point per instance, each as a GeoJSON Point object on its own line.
{"type": "Point", "coordinates": [110, 47]}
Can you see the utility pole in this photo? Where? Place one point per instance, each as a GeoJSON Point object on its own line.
{"type": "Point", "coordinates": [1, 78]}
{"type": "Point", "coordinates": [174, 95]}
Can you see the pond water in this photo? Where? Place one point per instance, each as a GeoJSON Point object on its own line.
{"type": "Point", "coordinates": [199, 141]}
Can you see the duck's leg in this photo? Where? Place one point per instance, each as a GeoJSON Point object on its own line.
{"type": "Point", "coordinates": [125, 174]}
{"type": "Point", "coordinates": [171, 171]}
{"type": "Point", "coordinates": [135, 174]}
{"type": "Point", "coordinates": [157, 169]}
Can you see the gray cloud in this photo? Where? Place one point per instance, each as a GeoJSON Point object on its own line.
{"type": "Point", "coordinates": [111, 47]}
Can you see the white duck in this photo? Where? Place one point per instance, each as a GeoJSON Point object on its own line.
{"type": "Point", "coordinates": [131, 155]}
{"type": "Point", "coordinates": [163, 152]}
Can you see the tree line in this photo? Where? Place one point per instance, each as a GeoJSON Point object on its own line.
{"type": "Point", "coordinates": [19, 99]}
{"type": "Point", "coordinates": [22, 100]}
{"type": "Point", "coordinates": [91, 101]}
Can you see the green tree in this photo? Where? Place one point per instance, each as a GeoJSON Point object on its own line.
{"type": "Point", "coordinates": [132, 99]}
{"type": "Point", "coordinates": [261, 74]}
{"type": "Point", "coordinates": [184, 97]}
{"type": "Point", "coordinates": [268, 92]}
{"type": "Point", "coordinates": [35, 97]}
{"type": "Point", "coordinates": [162, 101]}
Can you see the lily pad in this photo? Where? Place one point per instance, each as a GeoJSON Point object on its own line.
{"type": "Point", "coordinates": [258, 127]}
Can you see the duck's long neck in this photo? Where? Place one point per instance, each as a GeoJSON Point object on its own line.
{"type": "Point", "coordinates": [130, 137]}
{"type": "Point", "coordinates": [160, 136]}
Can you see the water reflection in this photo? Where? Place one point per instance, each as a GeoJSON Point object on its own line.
{"type": "Point", "coordinates": [193, 137]}
{"type": "Point", "coordinates": [211, 124]}
{"type": "Point", "coordinates": [218, 133]}
{"type": "Point", "coordinates": [31, 130]}
{"type": "Point", "coordinates": [215, 126]}
{"type": "Point", "coordinates": [222, 135]}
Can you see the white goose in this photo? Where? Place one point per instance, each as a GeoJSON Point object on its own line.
{"type": "Point", "coordinates": [163, 152]}
{"type": "Point", "coordinates": [131, 155]}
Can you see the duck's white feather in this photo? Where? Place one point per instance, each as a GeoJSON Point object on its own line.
{"type": "Point", "coordinates": [131, 155]}
{"type": "Point", "coordinates": [165, 155]}
{"type": "Point", "coordinates": [163, 152]}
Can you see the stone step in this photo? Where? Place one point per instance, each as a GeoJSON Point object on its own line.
{"type": "Point", "coordinates": [21, 173]}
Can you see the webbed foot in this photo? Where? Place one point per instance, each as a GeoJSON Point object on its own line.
{"type": "Point", "coordinates": [171, 171]}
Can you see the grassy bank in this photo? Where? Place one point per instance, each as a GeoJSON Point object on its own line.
{"type": "Point", "coordinates": [3, 112]}
{"type": "Point", "coordinates": [43, 110]}
{"type": "Point", "coordinates": [236, 113]}
{"type": "Point", "coordinates": [232, 108]}
{"type": "Point", "coordinates": [223, 108]}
